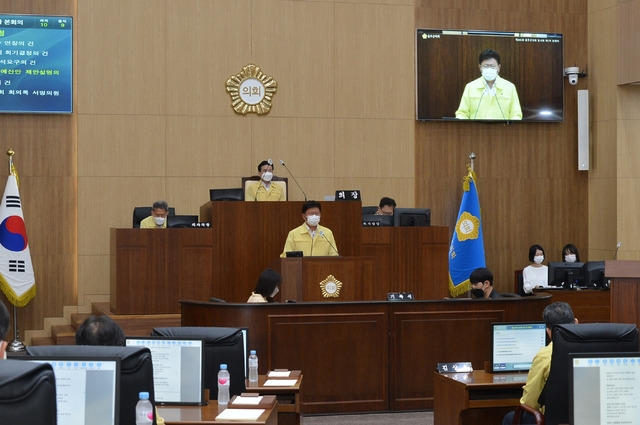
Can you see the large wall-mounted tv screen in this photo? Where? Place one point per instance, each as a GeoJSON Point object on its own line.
{"type": "Point", "coordinates": [489, 76]}
{"type": "Point", "coordinates": [36, 64]}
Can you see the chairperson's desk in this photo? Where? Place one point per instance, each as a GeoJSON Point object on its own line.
{"type": "Point", "coordinates": [475, 398]}
{"type": "Point", "coordinates": [367, 356]}
{"type": "Point", "coordinates": [151, 270]}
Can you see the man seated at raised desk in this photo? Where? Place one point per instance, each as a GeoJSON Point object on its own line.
{"type": "Point", "coordinates": [265, 190]}
{"type": "Point", "coordinates": [481, 280]}
{"type": "Point", "coordinates": [311, 238]}
{"type": "Point", "coordinates": [158, 217]}
{"type": "Point", "coordinates": [387, 206]}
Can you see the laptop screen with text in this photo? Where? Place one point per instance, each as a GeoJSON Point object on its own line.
{"type": "Point", "coordinates": [178, 368]}
{"type": "Point", "coordinates": [516, 344]}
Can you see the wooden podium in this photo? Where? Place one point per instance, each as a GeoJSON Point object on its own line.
{"type": "Point", "coordinates": [625, 290]}
{"type": "Point", "coordinates": [303, 279]}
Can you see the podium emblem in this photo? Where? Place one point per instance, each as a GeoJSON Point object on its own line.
{"type": "Point", "coordinates": [330, 287]}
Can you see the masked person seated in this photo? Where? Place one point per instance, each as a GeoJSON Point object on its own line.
{"type": "Point", "coordinates": [267, 287]}
{"type": "Point", "coordinates": [481, 280]}
{"type": "Point", "coordinates": [158, 217]}
{"type": "Point", "coordinates": [265, 190]}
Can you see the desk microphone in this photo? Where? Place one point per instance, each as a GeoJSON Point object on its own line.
{"type": "Point", "coordinates": [478, 106]}
{"type": "Point", "coordinates": [330, 244]}
{"type": "Point", "coordinates": [294, 179]}
{"type": "Point", "coordinates": [616, 253]}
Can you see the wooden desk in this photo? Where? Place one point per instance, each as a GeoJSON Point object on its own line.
{"type": "Point", "coordinates": [289, 397]}
{"type": "Point", "coordinates": [198, 415]}
{"type": "Point", "coordinates": [367, 356]}
{"type": "Point", "coordinates": [588, 305]}
{"type": "Point", "coordinates": [475, 398]}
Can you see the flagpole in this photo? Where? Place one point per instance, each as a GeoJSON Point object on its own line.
{"type": "Point", "coordinates": [472, 156]}
{"type": "Point", "coordinates": [16, 345]}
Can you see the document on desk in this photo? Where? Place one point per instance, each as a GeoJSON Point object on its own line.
{"type": "Point", "coordinates": [247, 400]}
{"type": "Point", "coordinates": [240, 414]}
{"type": "Point", "coordinates": [280, 382]}
{"type": "Point", "coordinates": [279, 374]}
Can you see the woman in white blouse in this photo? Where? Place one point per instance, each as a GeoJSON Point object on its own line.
{"type": "Point", "coordinates": [536, 274]}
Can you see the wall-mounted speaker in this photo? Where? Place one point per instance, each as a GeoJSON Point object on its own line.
{"type": "Point", "coordinates": [583, 130]}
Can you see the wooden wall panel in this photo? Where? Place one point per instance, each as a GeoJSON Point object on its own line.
{"type": "Point", "coordinates": [45, 147]}
{"type": "Point", "coordinates": [122, 57]}
{"type": "Point", "coordinates": [529, 186]}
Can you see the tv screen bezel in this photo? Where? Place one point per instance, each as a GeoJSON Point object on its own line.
{"type": "Point", "coordinates": [523, 70]}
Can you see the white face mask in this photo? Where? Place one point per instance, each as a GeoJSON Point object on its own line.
{"type": "Point", "coordinates": [159, 220]}
{"type": "Point", "coordinates": [489, 74]}
{"type": "Point", "coordinates": [570, 258]}
{"type": "Point", "coordinates": [275, 292]}
{"type": "Point", "coordinates": [313, 220]}
{"type": "Point", "coordinates": [538, 259]}
{"type": "Point", "coordinates": [267, 176]}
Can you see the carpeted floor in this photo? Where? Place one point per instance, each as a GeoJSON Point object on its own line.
{"type": "Point", "coordinates": [401, 418]}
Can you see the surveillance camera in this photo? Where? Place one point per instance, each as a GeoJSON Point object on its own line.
{"type": "Point", "coordinates": [572, 74]}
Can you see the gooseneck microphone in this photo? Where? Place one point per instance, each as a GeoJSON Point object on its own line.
{"type": "Point", "coordinates": [294, 179]}
{"type": "Point", "coordinates": [478, 107]}
{"type": "Point", "coordinates": [330, 244]}
{"type": "Point", "coordinates": [615, 255]}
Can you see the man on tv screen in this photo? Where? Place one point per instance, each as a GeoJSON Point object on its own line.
{"type": "Point", "coordinates": [489, 97]}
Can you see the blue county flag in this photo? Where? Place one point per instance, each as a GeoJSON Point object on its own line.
{"type": "Point", "coordinates": [466, 252]}
{"type": "Point", "coordinates": [17, 280]}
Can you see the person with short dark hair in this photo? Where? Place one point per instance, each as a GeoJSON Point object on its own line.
{"type": "Point", "coordinates": [536, 274]}
{"type": "Point", "coordinates": [4, 329]}
{"type": "Point", "coordinates": [570, 253]}
{"type": "Point", "coordinates": [489, 97]}
{"type": "Point", "coordinates": [311, 238]}
{"type": "Point", "coordinates": [99, 330]}
{"type": "Point", "coordinates": [158, 217]}
{"type": "Point", "coordinates": [265, 190]}
{"type": "Point", "coordinates": [267, 287]}
{"type": "Point", "coordinates": [386, 207]}
{"type": "Point", "coordinates": [558, 313]}
{"type": "Point", "coordinates": [481, 280]}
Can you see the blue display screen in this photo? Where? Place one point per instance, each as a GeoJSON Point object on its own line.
{"type": "Point", "coordinates": [36, 64]}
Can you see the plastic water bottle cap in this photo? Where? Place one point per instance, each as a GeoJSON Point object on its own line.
{"type": "Point", "coordinates": [223, 366]}
{"type": "Point", "coordinates": [253, 352]}
{"type": "Point", "coordinates": [144, 395]}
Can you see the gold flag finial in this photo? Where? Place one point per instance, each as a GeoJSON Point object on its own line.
{"type": "Point", "coordinates": [11, 152]}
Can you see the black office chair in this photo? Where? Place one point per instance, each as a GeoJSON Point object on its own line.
{"type": "Point", "coordinates": [582, 338]}
{"type": "Point", "coordinates": [136, 371]}
{"type": "Point", "coordinates": [221, 345]}
{"type": "Point", "coordinates": [27, 393]}
{"type": "Point", "coordinates": [140, 213]}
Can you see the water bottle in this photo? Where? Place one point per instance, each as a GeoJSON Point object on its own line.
{"type": "Point", "coordinates": [253, 366]}
{"type": "Point", "coordinates": [144, 410]}
{"type": "Point", "coordinates": [224, 380]}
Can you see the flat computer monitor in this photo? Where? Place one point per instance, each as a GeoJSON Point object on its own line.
{"type": "Point", "coordinates": [180, 221]}
{"type": "Point", "coordinates": [514, 345]}
{"type": "Point", "coordinates": [233, 194]}
{"type": "Point", "coordinates": [412, 217]}
{"type": "Point", "coordinates": [178, 368]}
{"type": "Point", "coordinates": [87, 388]}
{"type": "Point", "coordinates": [566, 275]}
{"type": "Point", "coordinates": [604, 388]}
{"type": "Point", "coordinates": [594, 274]}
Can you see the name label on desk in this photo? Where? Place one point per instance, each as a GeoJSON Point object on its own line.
{"type": "Point", "coordinates": [400, 296]}
{"type": "Point", "coordinates": [455, 367]}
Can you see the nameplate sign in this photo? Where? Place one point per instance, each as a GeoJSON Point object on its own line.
{"type": "Point", "coordinates": [400, 296]}
{"type": "Point", "coordinates": [455, 367]}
